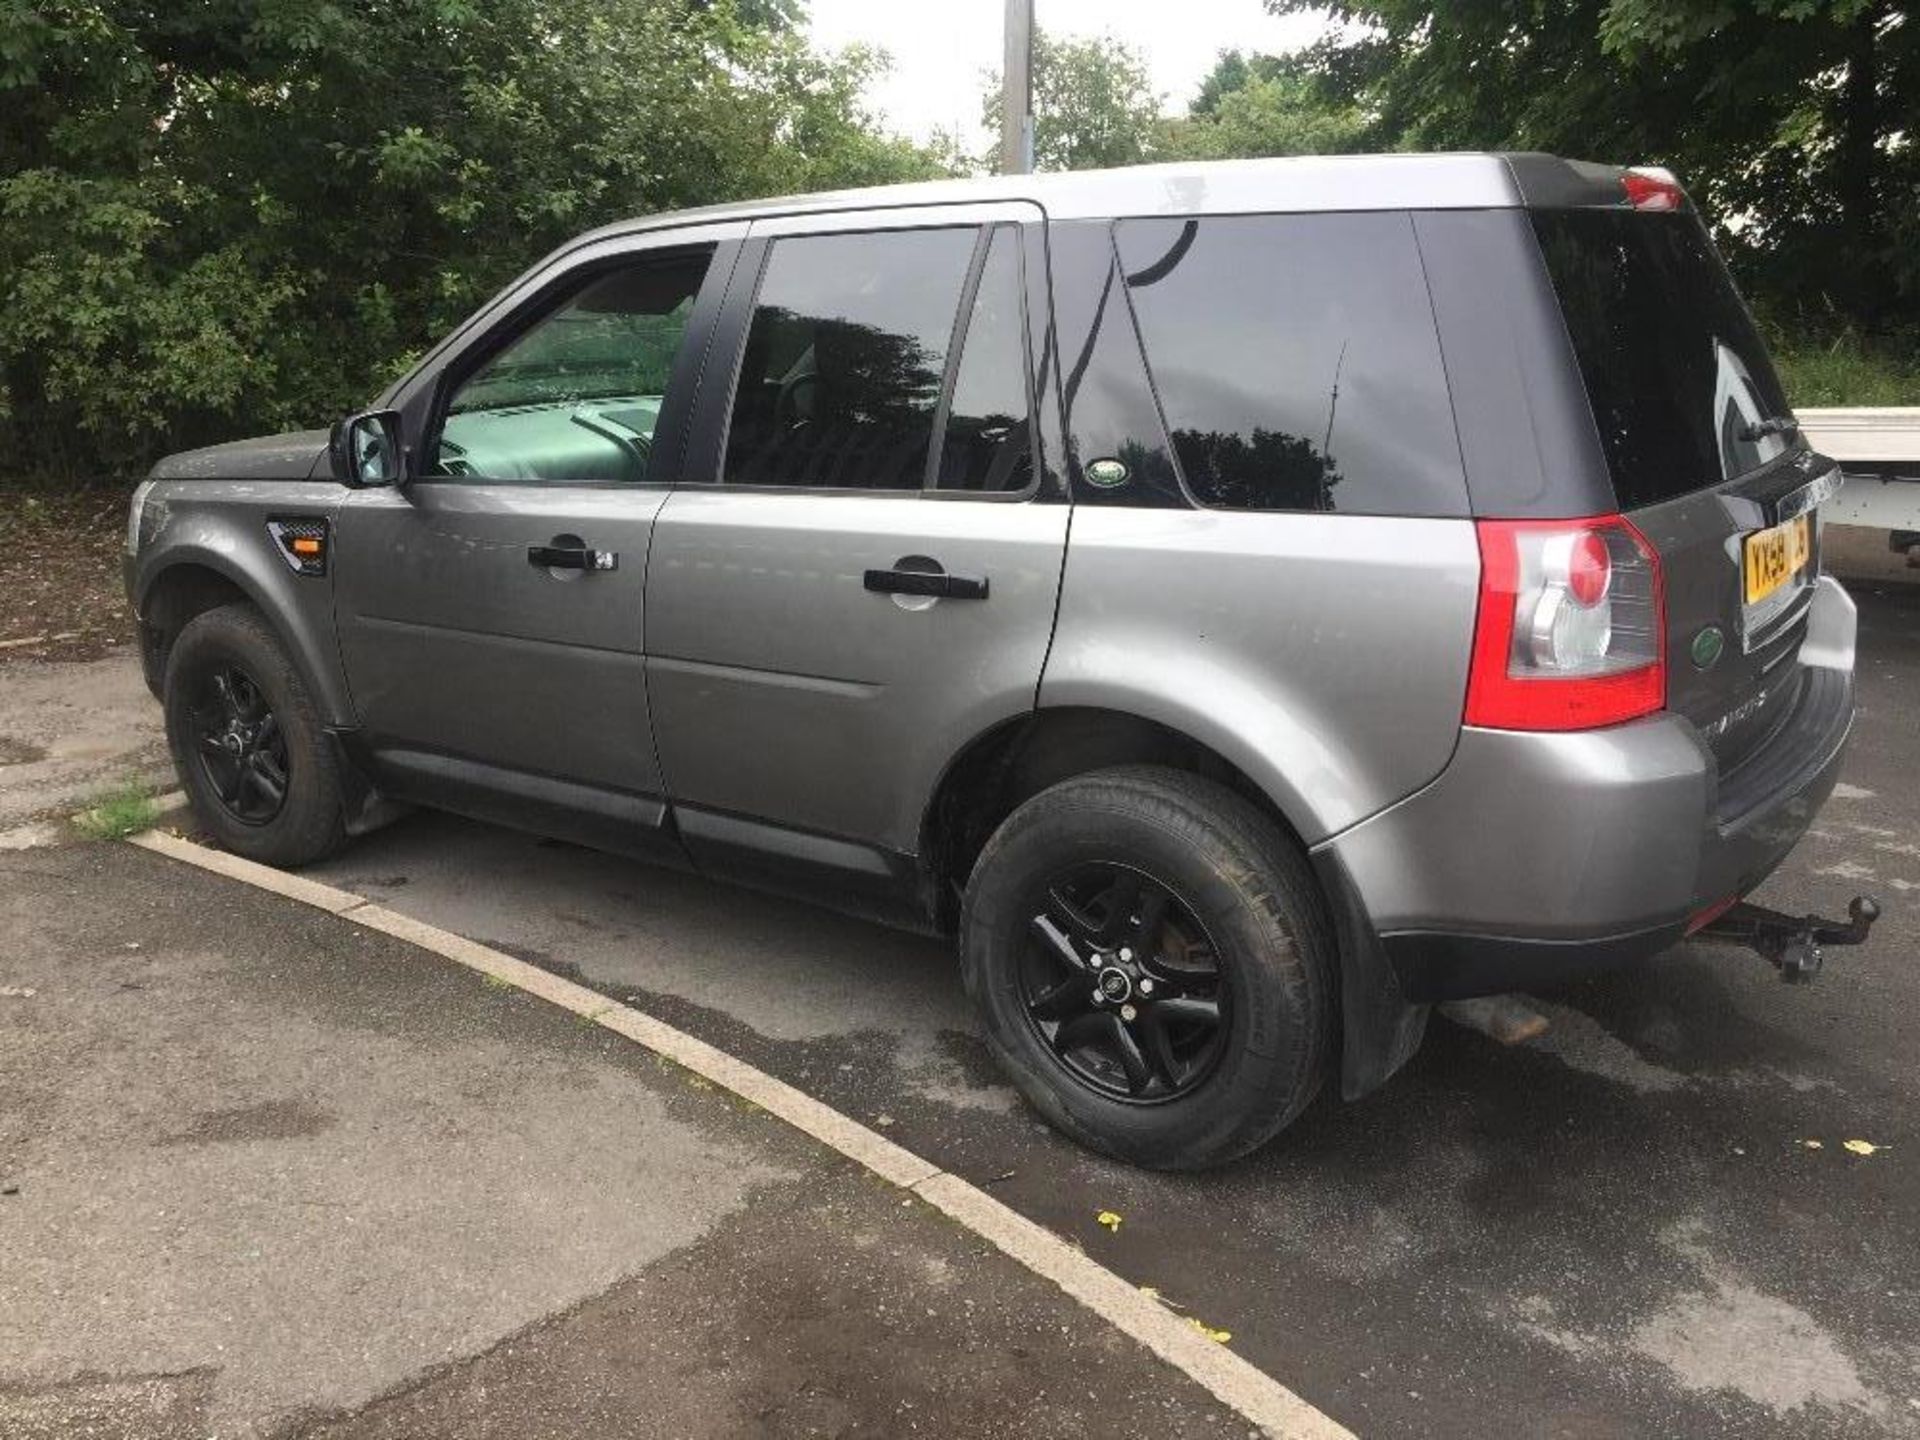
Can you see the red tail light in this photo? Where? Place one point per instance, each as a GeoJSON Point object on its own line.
{"type": "Point", "coordinates": [1571, 633]}
{"type": "Point", "coordinates": [1652, 190]}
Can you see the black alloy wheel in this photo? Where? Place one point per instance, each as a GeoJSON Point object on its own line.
{"type": "Point", "coordinates": [240, 746]}
{"type": "Point", "coordinates": [1123, 984]}
{"type": "Point", "coordinates": [1153, 964]}
{"type": "Point", "coordinates": [251, 749]}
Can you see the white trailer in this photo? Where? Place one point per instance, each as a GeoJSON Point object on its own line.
{"type": "Point", "coordinates": [1879, 452]}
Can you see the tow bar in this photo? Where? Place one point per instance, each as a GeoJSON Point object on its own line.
{"type": "Point", "coordinates": [1790, 943]}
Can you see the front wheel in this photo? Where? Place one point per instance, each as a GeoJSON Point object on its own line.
{"type": "Point", "coordinates": [247, 742]}
{"type": "Point", "coordinates": [1153, 963]}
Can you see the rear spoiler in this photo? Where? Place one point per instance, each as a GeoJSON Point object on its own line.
{"type": "Point", "coordinates": [1546, 182]}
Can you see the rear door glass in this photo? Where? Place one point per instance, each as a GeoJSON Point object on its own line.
{"type": "Point", "coordinates": [841, 374]}
{"type": "Point", "coordinates": [989, 445]}
{"type": "Point", "coordinates": [1296, 361]}
{"type": "Point", "coordinates": [1674, 369]}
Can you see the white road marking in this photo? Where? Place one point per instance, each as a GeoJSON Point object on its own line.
{"type": "Point", "coordinates": [1238, 1384]}
{"type": "Point", "coordinates": [261, 877]}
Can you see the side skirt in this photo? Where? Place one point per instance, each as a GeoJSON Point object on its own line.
{"type": "Point", "coordinates": [856, 879]}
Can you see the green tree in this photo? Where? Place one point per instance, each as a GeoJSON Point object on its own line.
{"type": "Point", "coordinates": [1094, 104]}
{"type": "Point", "coordinates": [1265, 105]}
{"type": "Point", "coordinates": [1234, 70]}
{"type": "Point", "coordinates": [1792, 121]}
{"type": "Point", "coordinates": [236, 215]}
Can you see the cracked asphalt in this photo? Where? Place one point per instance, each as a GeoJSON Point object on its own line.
{"type": "Point", "coordinates": [71, 728]}
{"type": "Point", "coordinates": [266, 1173]}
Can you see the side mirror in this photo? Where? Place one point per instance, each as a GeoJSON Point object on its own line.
{"type": "Point", "coordinates": [366, 450]}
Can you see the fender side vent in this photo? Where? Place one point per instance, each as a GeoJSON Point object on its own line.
{"type": "Point", "coordinates": [303, 542]}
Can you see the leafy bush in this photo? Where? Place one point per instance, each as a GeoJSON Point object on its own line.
{"type": "Point", "coordinates": [221, 219]}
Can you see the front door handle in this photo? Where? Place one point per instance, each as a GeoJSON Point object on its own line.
{"type": "Point", "coordinates": [921, 582]}
{"type": "Point", "coordinates": [572, 557]}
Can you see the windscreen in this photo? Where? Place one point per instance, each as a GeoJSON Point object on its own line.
{"type": "Point", "coordinates": [1674, 369]}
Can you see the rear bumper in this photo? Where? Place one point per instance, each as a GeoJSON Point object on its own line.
{"type": "Point", "coordinates": [1534, 858]}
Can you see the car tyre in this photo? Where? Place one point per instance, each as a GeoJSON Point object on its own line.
{"type": "Point", "coordinates": [1230, 896]}
{"type": "Point", "coordinates": [249, 747]}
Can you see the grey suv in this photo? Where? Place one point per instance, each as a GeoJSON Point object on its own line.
{"type": "Point", "coordinates": [1243, 603]}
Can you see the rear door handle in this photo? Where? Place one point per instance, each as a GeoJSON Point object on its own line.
{"type": "Point", "coordinates": [572, 557]}
{"type": "Point", "coordinates": [920, 582]}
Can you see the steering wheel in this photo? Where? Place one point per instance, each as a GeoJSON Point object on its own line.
{"type": "Point", "coordinates": [796, 392]}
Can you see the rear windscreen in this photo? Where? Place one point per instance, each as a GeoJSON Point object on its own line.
{"type": "Point", "coordinates": [1674, 369]}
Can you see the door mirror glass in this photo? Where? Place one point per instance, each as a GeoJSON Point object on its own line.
{"type": "Point", "coordinates": [366, 449]}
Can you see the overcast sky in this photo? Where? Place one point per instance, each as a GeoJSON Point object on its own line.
{"type": "Point", "coordinates": [940, 47]}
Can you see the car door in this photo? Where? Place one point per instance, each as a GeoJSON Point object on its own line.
{"type": "Point", "coordinates": [491, 612]}
{"type": "Point", "coordinates": [859, 568]}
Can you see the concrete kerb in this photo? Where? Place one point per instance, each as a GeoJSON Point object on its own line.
{"type": "Point", "coordinates": [1236, 1383]}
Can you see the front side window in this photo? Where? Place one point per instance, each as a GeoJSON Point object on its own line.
{"type": "Point", "coordinates": [1297, 362]}
{"type": "Point", "coordinates": [840, 378]}
{"type": "Point", "coordinates": [575, 398]}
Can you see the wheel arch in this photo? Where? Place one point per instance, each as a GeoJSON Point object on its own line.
{"type": "Point", "coordinates": [189, 581]}
{"type": "Point", "coordinates": [1006, 764]}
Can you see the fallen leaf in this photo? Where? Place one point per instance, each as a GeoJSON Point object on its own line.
{"type": "Point", "coordinates": [1150, 1292]}
{"type": "Point", "coordinates": [1814, 1144]}
{"type": "Point", "coordinates": [18, 992]}
{"type": "Point", "coordinates": [1863, 1147]}
{"type": "Point", "coordinates": [1109, 1219]}
{"type": "Point", "coordinates": [1219, 1337]}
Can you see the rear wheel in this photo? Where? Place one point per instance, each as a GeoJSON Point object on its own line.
{"type": "Point", "coordinates": [1153, 962]}
{"type": "Point", "coordinates": [247, 743]}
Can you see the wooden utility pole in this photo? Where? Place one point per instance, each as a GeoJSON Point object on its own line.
{"type": "Point", "coordinates": [1016, 91]}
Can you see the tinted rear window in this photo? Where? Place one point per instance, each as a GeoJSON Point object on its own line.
{"type": "Point", "coordinates": [1673, 366]}
{"type": "Point", "coordinates": [989, 444]}
{"type": "Point", "coordinates": [841, 373]}
{"type": "Point", "coordinates": [1296, 361]}
{"type": "Point", "coordinates": [1119, 447]}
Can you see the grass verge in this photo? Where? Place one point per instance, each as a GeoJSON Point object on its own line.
{"type": "Point", "coordinates": [1847, 370]}
{"type": "Point", "coordinates": [126, 809]}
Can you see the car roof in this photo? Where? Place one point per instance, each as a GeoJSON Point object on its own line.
{"type": "Point", "coordinates": [1303, 183]}
{"type": "Point", "coordinates": [1476, 181]}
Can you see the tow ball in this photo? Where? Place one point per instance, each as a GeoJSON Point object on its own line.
{"type": "Point", "coordinates": [1791, 943]}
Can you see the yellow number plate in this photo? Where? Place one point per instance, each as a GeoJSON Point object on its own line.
{"type": "Point", "coordinates": [1775, 556]}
